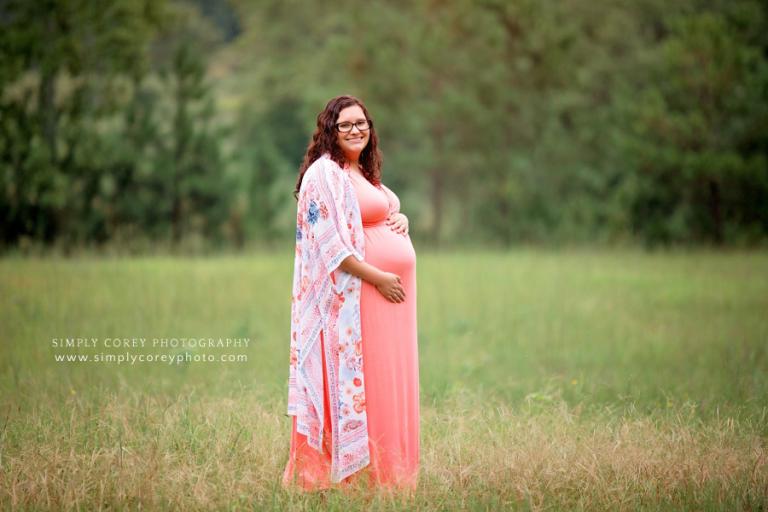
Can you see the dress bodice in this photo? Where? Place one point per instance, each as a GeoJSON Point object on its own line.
{"type": "Point", "coordinates": [373, 201]}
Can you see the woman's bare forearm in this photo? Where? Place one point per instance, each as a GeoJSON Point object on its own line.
{"type": "Point", "coordinates": [361, 269]}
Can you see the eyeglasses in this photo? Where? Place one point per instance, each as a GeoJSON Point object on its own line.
{"type": "Point", "coordinates": [346, 126]}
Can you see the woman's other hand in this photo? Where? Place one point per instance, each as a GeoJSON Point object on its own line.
{"type": "Point", "coordinates": [398, 222]}
{"type": "Point", "coordinates": [390, 287]}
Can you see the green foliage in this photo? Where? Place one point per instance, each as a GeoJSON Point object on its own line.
{"type": "Point", "coordinates": [500, 122]}
{"type": "Point", "coordinates": [107, 126]}
{"type": "Point", "coordinates": [699, 137]}
{"type": "Point", "coordinates": [519, 121]}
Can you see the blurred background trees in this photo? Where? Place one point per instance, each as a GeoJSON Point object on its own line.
{"type": "Point", "coordinates": [137, 123]}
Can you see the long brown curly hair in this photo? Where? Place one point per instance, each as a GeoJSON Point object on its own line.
{"type": "Point", "coordinates": [324, 141]}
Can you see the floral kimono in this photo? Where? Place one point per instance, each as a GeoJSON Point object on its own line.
{"type": "Point", "coordinates": [328, 229]}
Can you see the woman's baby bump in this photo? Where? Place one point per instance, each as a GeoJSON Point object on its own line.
{"type": "Point", "coordinates": [387, 250]}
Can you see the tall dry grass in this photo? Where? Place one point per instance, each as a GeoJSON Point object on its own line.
{"type": "Point", "coordinates": [195, 452]}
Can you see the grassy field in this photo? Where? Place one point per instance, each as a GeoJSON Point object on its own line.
{"type": "Point", "coordinates": [575, 380]}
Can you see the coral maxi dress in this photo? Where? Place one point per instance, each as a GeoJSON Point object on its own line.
{"type": "Point", "coordinates": [390, 361]}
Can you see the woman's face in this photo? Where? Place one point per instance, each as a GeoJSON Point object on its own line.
{"type": "Point", "coordinates": [352, 142]}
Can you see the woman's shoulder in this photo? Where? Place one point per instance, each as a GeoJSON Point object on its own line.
{"type": "Point", "coordinates": [322, 166]}
{"type": "Point", "coordinates": [324, 174]}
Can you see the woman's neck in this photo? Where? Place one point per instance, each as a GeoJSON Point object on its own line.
{"type": "Point", "coordinates": [354, 166]}
{"type": "Point", "coordinates": [352, 158]}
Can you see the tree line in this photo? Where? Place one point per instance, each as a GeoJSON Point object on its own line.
{"type": "Point", "coordinates": [137, 123]}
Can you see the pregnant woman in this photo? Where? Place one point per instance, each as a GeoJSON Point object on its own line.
{"type": "Point", "coordinates": [354, 374]}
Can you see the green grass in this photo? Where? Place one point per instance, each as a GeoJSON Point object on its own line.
{"type": "Point", "coordinates": [570, 380]}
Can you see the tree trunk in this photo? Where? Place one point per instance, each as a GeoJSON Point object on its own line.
{"type": "Point", "coordinates": [47, 93]}
{"type": "Point", "coordinates": [437, 180]}
{"type": "Point", "coordinates": [180, 124]}
{"type": "Point", "coordinates": [715, 212]}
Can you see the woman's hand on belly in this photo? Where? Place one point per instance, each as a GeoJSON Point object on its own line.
{"type": "Point", "coordinates": [387, 283]}
{"type": "Point", "coordinates": [390, 287]}
{"type": "Point", "coordinates": [398, 222]}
